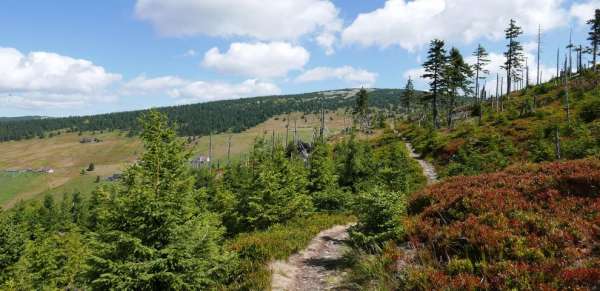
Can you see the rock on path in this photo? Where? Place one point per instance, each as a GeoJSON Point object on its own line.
{"type": "Point", "coordinates": [314, 268]}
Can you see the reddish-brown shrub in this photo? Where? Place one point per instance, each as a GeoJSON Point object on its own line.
{"type": "Point", "coordinates": [528, 227]}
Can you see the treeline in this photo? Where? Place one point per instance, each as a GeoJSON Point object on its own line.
{"type": "Point", "coordinates": [200, 119]}
{"type": "Point", "coordinates": [164, 227]}
{"type": "Point", "coordinates": [450, 77]}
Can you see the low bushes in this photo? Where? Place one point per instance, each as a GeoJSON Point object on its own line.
{"type": "Point", "coordinates": [529, 227]}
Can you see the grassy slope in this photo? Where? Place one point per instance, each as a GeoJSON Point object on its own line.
{"type": "Point", "coordinates": [67, 156]}
{"type": "Point", "coordinates": [516, 135]}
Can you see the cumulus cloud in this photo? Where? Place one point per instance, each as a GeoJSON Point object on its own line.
{"type": "Point", "coordinates": [584, 11]}
{"type": "Point", "coordinates": [357, 77]}
{"type": "Point", "coordinates": [411, 24]}
{"type": "Point", "coordinates": [275, 20]}
{"type": "Point", "coordinates": [44, 79]}
{"type": "Point", "coordinates": [262, 60]}
{"type": "Point", "coordinates": [191, 91]}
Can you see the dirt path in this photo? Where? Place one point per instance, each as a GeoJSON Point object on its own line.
{"type": "Point", "coordinates": [428, 169]}
{"type": "Point", "coordinates": [314, 268]}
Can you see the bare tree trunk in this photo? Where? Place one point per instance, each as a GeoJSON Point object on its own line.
{"type": "Point", "coordinates": [228, 150]}
{"type": "Point", "coordinates": [557, 142]}
{"type": "Point", "coordinates": [210, 152]}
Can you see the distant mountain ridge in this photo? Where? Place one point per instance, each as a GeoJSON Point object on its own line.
{"type": "Point", "coordinates": [203, 118]}
{"type": "Point", "coordinates": [22, 118]}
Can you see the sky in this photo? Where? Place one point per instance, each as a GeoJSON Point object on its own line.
{"type": "Point", "coordinates": [72, 57]}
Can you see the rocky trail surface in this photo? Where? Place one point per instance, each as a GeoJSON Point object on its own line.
{"type": "Point", "coordinates": [315, 268]}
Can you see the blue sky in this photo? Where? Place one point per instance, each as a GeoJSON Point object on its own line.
{"type": "Point", "coordinates": [70, 57]}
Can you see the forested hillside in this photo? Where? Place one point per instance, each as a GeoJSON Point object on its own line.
{"type": "Point", "coordinates": [203, 118]}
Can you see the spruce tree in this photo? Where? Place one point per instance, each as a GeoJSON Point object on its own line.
{"type": "Point", "coordinates": [481, 61]}
{"type": "Point", "coordinates": [514, 54]}
{"type": "Point", "coordinates": [151, 235]}
{"type": "Point", "coordinates": [594, 35]}
{"type": "Point", "coordinates": [322, 178]}
{"type": "Point", "coordinates": [434, 67]}
{"type": "Point", "coordinates": [408, 95]}
{"type": "Point", "coordinates": [456, 74]}
{"type": "Point", "coordinates": [361, 109]}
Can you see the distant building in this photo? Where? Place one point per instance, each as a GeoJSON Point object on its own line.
{"type": "Point", "coordinates": [200, 161]}
{"type": "Point", "coordinates": [89, 140]}
{"type": "Point", "coordinates": [45, 170]}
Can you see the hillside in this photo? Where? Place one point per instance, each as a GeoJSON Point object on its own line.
{"type": "Point", "coordinates": [203, 118]}
{"type": "Point", "coordinates": [520, 132]}
{"type": "Point", "coordinates": [67, 156]}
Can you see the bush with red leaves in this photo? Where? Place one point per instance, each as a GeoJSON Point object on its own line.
{"type": "Point", "coordinates": [528, 227]}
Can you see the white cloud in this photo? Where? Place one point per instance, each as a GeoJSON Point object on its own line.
{"type": "Point", "coordinates": [144, 86]}
{"type": "Point", "coordinates": [262, 60]}
{"type": "Point", "coordinates": [358, 77]}
{"type": "Point", "coordinates": [263, 20]}
{"type": "Point", "coordinates": [190, 91]}
{"type": "Point", "coordinates": [44, 79]}
{"type": "Point", "coordinates": [190, 53]}
{"type": "Point", "coordinates": [411, 24]}
{"type": "Point", "coordinates": [584, 11]}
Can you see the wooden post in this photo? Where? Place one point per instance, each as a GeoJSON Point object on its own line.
{"type": "Point", "coordinates": [295, 131]}
{"type": "Point", "coordinates": [228, 150]}
{"type": "Point", "coordinates": [501, 94]}
{"type": "Point", "coordinates": [287, 130]}
{"type": "Point", "coordinates": [210, 151]}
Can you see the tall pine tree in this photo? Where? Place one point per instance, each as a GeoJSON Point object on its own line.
{"type": "Point", "coordinates": [594, 35]}
{"type": "Point", "coordinates": [434, 67]}
{"type": "Point", "coordinates": [481, 61]}
{"type": "Point", "coordinates": [514, 54]}
{"type": "Point", "coordinates": [457, 74]}
{"type": "Point", "coordinates": [408, 95]}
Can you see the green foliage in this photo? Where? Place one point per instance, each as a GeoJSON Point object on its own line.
{"type": "Point", "coordinates": [151, 236]}
{"type": "Point", "coordinates": [456, 266]}
{"type": "Point", "coordinates": [379, 214]}
{"type": "Point", "coordinates": [53, 262]}
{"type": "Point", "coordinates": [355, 164]}
{"type": "Point", "coordinates": [269, 189]}
{"type": "Point", "coordinates": [323, 180]}
{"type": "Point", "coordinates": [589, 110]}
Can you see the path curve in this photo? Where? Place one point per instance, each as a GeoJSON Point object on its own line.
{"type": "Point", "coordinates": [314, 268]}
{"type": "Point", "coordinates": [428, 169]}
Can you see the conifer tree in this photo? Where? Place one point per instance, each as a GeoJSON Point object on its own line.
{"type": "Point", "coordinates": [434, 67]}
{"type": "Point", "coordinates": [514, 54]}
{"type": "Point", "coordinates": [456, 74]}
{"type": "Point", "coordinates": [482, 60]}
{"type": "Point", "coordinates": [361, 109]}
{"type": "Point", "coordinates": [408, 95]}
{"type": "Point", "coordinates": [322, 178]}
{"type": "Point", "coordinates": [151, 235]}
{"type": "Point", "coordinates": [594, 35]}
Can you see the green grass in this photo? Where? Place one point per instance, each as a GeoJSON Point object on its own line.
{"type": "Point", "coordinates": [12, 184]}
